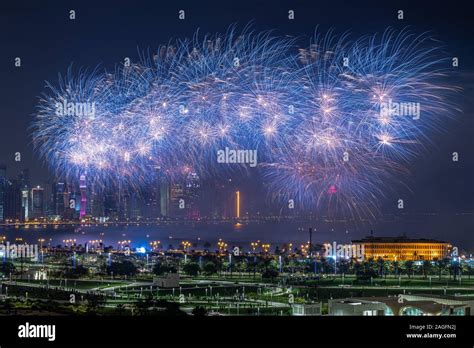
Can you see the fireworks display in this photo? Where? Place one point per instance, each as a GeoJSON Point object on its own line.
{"type": "Point", "coordinates": [333, 123]}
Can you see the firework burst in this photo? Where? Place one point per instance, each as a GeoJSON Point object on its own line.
{"type": "Point", "coordinates": [325, 119]}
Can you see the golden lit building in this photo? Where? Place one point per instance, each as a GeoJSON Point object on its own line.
{"type": "Point", "coordinates": [403, 248]}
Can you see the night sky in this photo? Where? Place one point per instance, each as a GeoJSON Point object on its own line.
{"type": "Point", "coordinates": [104, 32]}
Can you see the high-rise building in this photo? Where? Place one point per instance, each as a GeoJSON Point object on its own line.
{"type": "Point", "coordinates": [96, 203]}
{"type": "Point", "coordinates": [37, 202]}
{"type": "Point", "coordinates": [25, 178]}
{"type": "Point", "coordinates": [83, 189]}
{"type": "Point", "coordinates": [25, 204]}
{"type": "Point", "coordinates": [177, 201]}
{"type": "Point", "coordinates": [237, 204]}
{"type": "Point", "coordinates": [135, 211]}
{"type": "Point", "coordinates": [3, 184]}
{"type": "Point", "coordinates": [151, 202]}
{"type": "Point", "coordinates": [164, 199]}
{"type": "Point", "coordinates": [192, 194]}
{"type": "Point", "coordinates": [112, 204]}
{"type": "Point", "coordinates": [25, 194]}
{"type": "Point", "coordinates": [48, 196]}
{"type": "Point", "coordinates": [12, 200]}
{"type": "Point", "coordinates": [60, 198]}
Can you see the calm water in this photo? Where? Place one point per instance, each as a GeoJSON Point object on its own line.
{"type": "Point", "coordinates": [459, 232]}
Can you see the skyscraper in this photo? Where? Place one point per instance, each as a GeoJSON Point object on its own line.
{"type": "Point", "coordinates": [164, 199]}
{"type": "Point", "coordinates": [37, 202]}
{"type": "Point", "coordinates": [192, 194]}
{"type": "Point", "coordinates": [177, 201]}
{"type": "Point", "coordinates": [60, 199]}
{"type": "Point", "coordinates": [237, 204]}
{"type": "Point", "coordinates": [12, 200]}
{"type": "Point", "coordinates": [83, 190]}
{"type": "Point", "coordinates": [25, 196]}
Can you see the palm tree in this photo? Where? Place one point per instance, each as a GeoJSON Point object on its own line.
{"type": "Point", "coordinates": [441, 265]}
{"type": "Point", "coordinates": [380, 268]}
{"type": "Point", "coordinates": [343, 266]}
{"type": "Point", "coordinates": [427, 266]}
{"type": "Point", "coordinates": [409, 267]}
{"type": "Point", "coordinates": [386, 268]}
{"type": "Point", "coordinates": [466, 268]}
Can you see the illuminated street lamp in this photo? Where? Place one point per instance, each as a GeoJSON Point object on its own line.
{"type": "Point", "coordinates": [124, 243]}
{"type": "Point", "coordinates": [69, 242]}
{"type": "Point", "coordinates": [221, 245]}
{"type": "Point", "coordinates": [186, 245]}
{"type": "Point", "coordinates": [304, 249]}
{"type": "Point", "coordinates": [155, 245]}
{"type": "Point", "coordinates": [254, 245]}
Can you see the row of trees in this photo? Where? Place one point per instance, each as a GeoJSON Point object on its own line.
{"type": "Point", "coordinates": [270, 266]}
{"type": "Point", "coordinates": [267, 265]}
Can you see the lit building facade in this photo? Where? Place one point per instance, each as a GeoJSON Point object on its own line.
{"type": "Point", "coordinates": [403, 249]}
{"type": "Point", "coordinates": [83, 190]}
{"type": "Point", "coordinates": [37, 202]}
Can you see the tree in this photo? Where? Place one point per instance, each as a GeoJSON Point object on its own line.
{"type": "Point", "coordinates": [270, 273]}
{"type": "Point", "coordinates": [142, 306]}
{"type": "Point", "coordinates": [95, 302]}
{"type": "Point", "coordinates": [210, 268]}
{"type": "Point", "coordinates": [396, 267]}
{"type": "Point", "coordinates": [163, 268]}
{"type": "Point", "coordinates": [243, 265]}
{"type": "Point", "coordinates": [366, 270]}
{"type": "Point", "coordinates": [380, 266]}
{"type": "Point", "coordinates": [427, 266]}
{"type": "Point", "coordinates": [441, 265]}
{"type": "Point", "coordinates": [6, 268]}
{"type": "Point", "coordinates": [409, 267]}
{"type": "Point", "coordinates": [343, 266]}
{"type": "Point", "coordinates": [122, 268]}
{"type": "Point", "coordinates": [191, 268]}
{"type": "Point", "coordinates": [76, 272]}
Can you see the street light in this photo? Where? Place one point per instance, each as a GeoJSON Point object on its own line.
{"type": "Point", "coordinates": [254, 246]}
{"type": "Point", "coordinates": [221, 245]}
{"type": "Point", "coordinates": [186, 245]}
{"type": "Point", "coordinates": [155, 245]}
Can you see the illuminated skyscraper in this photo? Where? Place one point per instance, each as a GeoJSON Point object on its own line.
{"type": "Point", "coordinates": [83, 190]}
{"type": "Point", "coordinates": [237, 204]}
{"type": "Point", "coordinates": [60, 198]}
{"type": "Point", "coordinates": [37, 202]}
{"type": "Point", "coordinates": [25, 194]}
{"type": "Point", "coordinates": [192, 194]}
{"type": "Point", "coordinates": [25, 204]}
{"type": "Point", "coordinates": [164, 199]}
{"type": "Point", "coordinates": [177, 201]}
